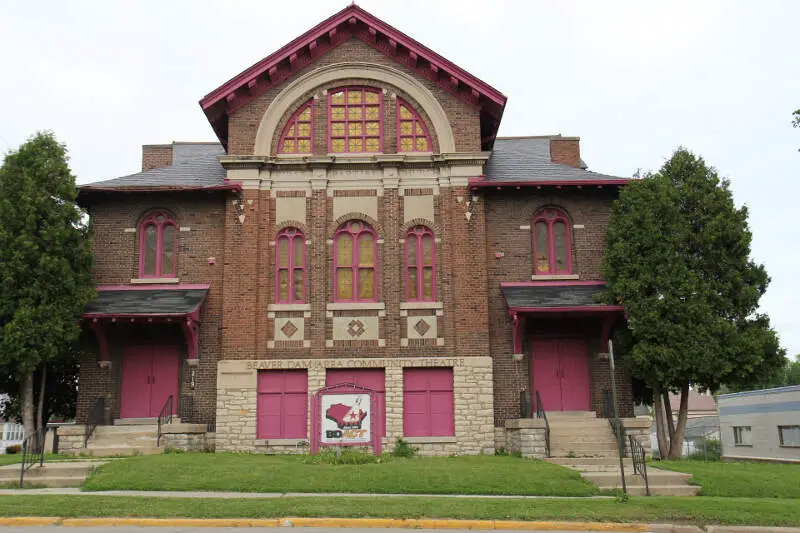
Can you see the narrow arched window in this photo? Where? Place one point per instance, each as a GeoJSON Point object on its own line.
{"type": "Point", "coordinates": [290, 267]}
{"type": "Point", "coordinates": [420, 265]}
{"type": "Point", "coordinates": [552, 247]}
{"type": "Point", "coordinates": [354, 255]}
{"type": "Point", "coordinates": [157, 236]}
{"type": "Point", "coordinates": [298, 132]}
{"type": "Point", "coordinates": [355, 120]}
{"type": "Point", "coordinates": [412, 133]}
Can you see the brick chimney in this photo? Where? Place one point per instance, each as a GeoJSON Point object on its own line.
{"type": "Point", "coordinates": [566, 151]}
{"type": "Point", "coordinates": [156, 156]}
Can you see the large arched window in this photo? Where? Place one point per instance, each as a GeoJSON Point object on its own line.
{"type": "Point", "coordinates": [299, 132]}
{"type": "Point", "coordinates": [157, 236]}
{"type": "Point", "coordinates": [355, 120]}
{"type": "Point", "coordinates": [412, 134]}
{"type": "Point", "coordinates": [354, 255]}
{"type": "Point", "coordinates": [290, 267]}
{"type": "Point", "coordinates": [552, 247]}
{"type": "Point", "coordinates": [420, 265]}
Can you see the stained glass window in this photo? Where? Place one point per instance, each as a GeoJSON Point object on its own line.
{"type": "Point", "coordinates": [355, 252]}
{"type": "Point", "coordinates": [157, 246]}
{"type": "Point", "coordinates": [298, 134]}
{"type": "Point", "coordinates": [552, 249]}
{"type": "Point", "coordinates": [420, 265]}
{"type": "Point", "coordinates": [412, 134]}
{"type": "Point", "coordinates": [290, 263]}
{"type": "Point", "coordinates": [355, 120]}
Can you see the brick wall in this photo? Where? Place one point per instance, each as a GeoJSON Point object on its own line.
{"type": "Point", "coordinates": [156, 156]}
{"type": "Point", "coordinates": [508, 220]}
{"type": "Point", "coordinates": [243, 124]}
{"type": "Point", "coordinates": [566, 151]}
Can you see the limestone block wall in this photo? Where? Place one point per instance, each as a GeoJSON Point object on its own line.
{"type": "Point", "coordinates": [70, 439]}
{"type": "Point", "coordinates": [527, 437]}
{"type": "Point", "coordinates": [639, 427]}
{"type": "Point", "coordinates": [472, 394]}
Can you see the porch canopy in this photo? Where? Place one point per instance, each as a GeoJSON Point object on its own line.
{"type": "Point", "coordinates": [556, 297]}
{"type": "Point", "coordinates": [147, 303]}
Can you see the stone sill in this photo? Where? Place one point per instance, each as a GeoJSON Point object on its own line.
{"type": "Point", "coordinates": [281, 442]}
{"type": "Point", "coordinates": [555, 277]}
{"type": "Point", "coordinates": [356, 306]}
{"type": "Point", "coordinates": [153, 281]}
{"type": "Point", "coordinates": [430, 440]}
{"type": "Point", "coordinates": [636, 423]}
{"type": "Point", "coordinates": [421, 305]}
{"type": "Point", "coordinates": [289, 307]}
{"type": "Point", "coordinates": [183, 427]}
{"type": "Point", "coordinates": [525, 423]}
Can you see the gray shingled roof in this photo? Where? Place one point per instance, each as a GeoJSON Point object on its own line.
{"type": "Point", "coordinates": [528, 159]}
{"type": "Point", "coordinates": [146, 302]}
{"type": "Point", "coordinates": [194, 165]}
{"type": "Point", "coordinates": [552, 295]}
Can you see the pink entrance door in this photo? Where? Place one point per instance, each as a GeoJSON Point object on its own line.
{"type": "Point", "coordinates": [149, 376]}
{"type": "Point", "coordinates": [560, 370]}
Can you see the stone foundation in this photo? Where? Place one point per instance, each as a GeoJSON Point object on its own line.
{"type": "Point", "coordinates": [185, 437]}
{"type": "Point", "coordinates": [472, 396]}
{"type": "Point", "coordinates": [70, 439]}
{"type": "Point", "coordinates": [527, 437]}
{"type": "Point", "coordinates": [639, 427]}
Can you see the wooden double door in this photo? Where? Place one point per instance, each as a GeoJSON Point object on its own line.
{"type": "Point", "coordinates": [150, 374]}
{"type": "Point", "coordinates": [560, 369]}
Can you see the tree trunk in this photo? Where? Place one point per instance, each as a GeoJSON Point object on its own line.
{"type": "Point", "coordinates": [670, 417]}
{"type": "Point", "coordinates": [26, 397]}
{"type": "Point", "coordinates": [40, 419]}
{"type": "Point", "coordinates": [676, 446]}
{"type": "Point", "coordinates": [658, 411]}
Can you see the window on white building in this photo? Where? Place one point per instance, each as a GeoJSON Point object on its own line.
{"type": "Point", "coordinates": [789, 435]}
{"type": "Point", "coordinates": [742, 436]}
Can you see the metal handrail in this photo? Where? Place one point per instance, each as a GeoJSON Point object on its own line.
{"type": "Point", "coordinates": [639, 458]}
{"type": "Point", "coordinates": [164, 417]}
{"type": "Point", "coordinates": [616, 424]}
{"type": "Point", "coordinates": [540, 413]}
{"type": "Point", "coordinates": [32, 449]}
{"type": "Point", "coordinates": [96, 417]}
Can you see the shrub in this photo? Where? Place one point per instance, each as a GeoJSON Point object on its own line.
{"type": "Point", "coordinates": [403, 449]}
{"type": "Point", "coordinates": [707, 450]}
{"type": "Point", "coordinates": [342, 455]}
{"type": "Point", "coordinates": [14, 448]}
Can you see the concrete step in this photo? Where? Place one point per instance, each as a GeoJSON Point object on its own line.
{"type": "Point", "coordinates": [52, 481]}
{"type": "Point", "coordinates": [142, 421]}
{"type": "Point", "coordinates": [565, 440]}
{"type": "Point", "coordinates": [126, 430]}
{"type": "Point", "coordinates": [581, 461]}
{"type": "Point", "coordinates": [44, 471]}
{"type": "Point", "coordinates": [585, 449]}
{"type": "Point", "coordinates": [570, 414]}
{"type": "Point", "coordinates": [603, 479]}
{"type": "Point", "coordinates": [660, 490]}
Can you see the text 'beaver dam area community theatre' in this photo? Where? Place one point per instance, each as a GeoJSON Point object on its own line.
{"type": "Point", "coordinates": [357, 258]}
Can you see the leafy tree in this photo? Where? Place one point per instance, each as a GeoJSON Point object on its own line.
{"type": "Point", "coordinates": [796, 119]}
{"type": "Point", "coordinates": [45, 269]}
{"type": "Point", "coordinates": [793, 371]}
{"type": "Point", "coordinates": [677, 257]}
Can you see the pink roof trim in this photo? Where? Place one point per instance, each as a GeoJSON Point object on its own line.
{"type": "Point", "coordinates": [150, 287]}
{"type": "Point", "coordinates": [571, 309]}
{"type": "Point", "coordinates": [329, 24]}
{"type": "Point", "coordinates": [480, 182]}
{"type": "Point", "coordinates": [545, 283]}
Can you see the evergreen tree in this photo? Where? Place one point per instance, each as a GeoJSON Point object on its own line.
{"type": "Point", "coordinates": [45, 268]}
{"type": "Point", "coordinates": [677, 257]}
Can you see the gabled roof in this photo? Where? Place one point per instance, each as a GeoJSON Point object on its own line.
{"type": "Point", "coordinates": [554, 296]}
{"type": "Point", "coordinates": [352, 21]}
{"type": "Point", "coordinates": [146, 301]}
{"type": "Point", "coordinates": [527, 161]}
{"type": "Point", "coordinates": [194, 167]}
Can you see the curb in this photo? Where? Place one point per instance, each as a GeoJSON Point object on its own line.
{"type": "Point", "coordinates": [397, 523]}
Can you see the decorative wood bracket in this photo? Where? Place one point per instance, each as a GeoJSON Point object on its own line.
{"type": "Point", "coordinates": [102, 342]}
{"type": "Point", "coordinates": [190, 328]}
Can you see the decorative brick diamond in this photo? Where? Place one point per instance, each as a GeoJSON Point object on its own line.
{"type": "Point", "coordinates": [289, 329]}
{"type": "Point", "coordinates": [356, 328]}
{"type": "Point", "coordinates": [422, 327]}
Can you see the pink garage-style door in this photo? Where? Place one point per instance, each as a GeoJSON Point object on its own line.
{"type": "Point", "coordinates": [428, 402]}
{"type": "Point", "coordinates": [150, 374]}
{"type": "Point", "coordinates": [369, 378]}
{"type": "Point", "coordinates": [560, 369]}
{"type": "Point", "coordinates": [282, 408]}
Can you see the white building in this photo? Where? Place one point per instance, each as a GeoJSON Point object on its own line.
{"type": "Point", "coordinates": [761, 424]}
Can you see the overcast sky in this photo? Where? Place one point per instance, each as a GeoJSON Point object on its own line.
{"type": "Point", "coordinates": [633, 79]}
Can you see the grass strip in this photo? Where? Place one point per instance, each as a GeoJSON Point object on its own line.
{"type": "Point", "coordinates": [740, 479]}
{"type": "Point", "coordinates": [263, 473]}
{"type": "Point", "coordinates": [700, 511]}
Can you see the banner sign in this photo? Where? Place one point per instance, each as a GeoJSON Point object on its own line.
{"type": "Point", "coordinates": [346, 418]}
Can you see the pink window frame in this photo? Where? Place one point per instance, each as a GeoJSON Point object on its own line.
{"type": "Point", "coordinates": [290, 234]}
{"type": "Point", "coordinates": [294, 121]}
{"type": "Point", "coordinates": [152, 218]}
{"type": "Point", "coordinates": [345, 229]}
{"type": "Point", "coordinates": [415, 119]}
{"type": "Point", "coordinates": [429, 429]}
{"type": "Point", "coordinates": [417, 233]}
{"type": "Point", "coordinates": [283, 393]}
{"type": "Point", "coordinates": [363, 120]}
{"type": "Point", "coordinates": [558, 216]}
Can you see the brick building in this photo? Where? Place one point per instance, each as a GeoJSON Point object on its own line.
{"type": "Point", "coordinates": [357, 223]}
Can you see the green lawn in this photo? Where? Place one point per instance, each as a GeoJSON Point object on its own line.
{"type": "Point", "coordinates": [264, 473]}
{"type": "Point", "coordinates": [701, 511]}
{"type": "Point", "coordinates": [742, 480]}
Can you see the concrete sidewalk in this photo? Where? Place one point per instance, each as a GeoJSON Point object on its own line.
{"type": "Point", "coordinates": [270, 495]}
